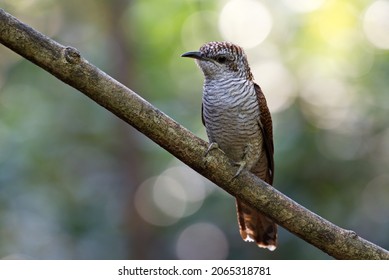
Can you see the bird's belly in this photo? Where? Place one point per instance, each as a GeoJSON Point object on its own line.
{"type": "Point", "coordinates": [232, 130]}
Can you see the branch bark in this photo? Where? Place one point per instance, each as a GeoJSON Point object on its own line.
{"type": "Point", "coordinates": [69, 66]}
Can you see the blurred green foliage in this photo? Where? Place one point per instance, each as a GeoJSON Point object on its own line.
{"type": "Point", "coordinates": [76, 182]}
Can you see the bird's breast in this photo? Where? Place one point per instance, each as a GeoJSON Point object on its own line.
{"type": "Point", "coordinates": [231, 116]}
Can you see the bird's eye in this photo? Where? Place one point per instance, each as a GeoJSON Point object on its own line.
{"type": "Point", "coordinates": [221, 59]}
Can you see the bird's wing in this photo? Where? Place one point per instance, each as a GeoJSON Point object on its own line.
{"type": "Point", "coordinates": [267, 131]}
{"type": "Point", "coordinates": [202, 114]}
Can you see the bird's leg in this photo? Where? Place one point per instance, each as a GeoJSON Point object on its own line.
{"type": "Point", "coordinates": [242, 164]}
{"type": "Point", "coordinates": [250, 158]}
{"type": "Point", "coordinates": [212, 146]}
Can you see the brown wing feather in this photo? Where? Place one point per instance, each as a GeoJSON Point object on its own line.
{"type": "Point", "coordinates": [266, 125]}
{"type": "Point", "coordinates": [202, 114]}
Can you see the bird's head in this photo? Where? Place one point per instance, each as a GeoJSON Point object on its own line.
{"type": "Point", "coordinates": [221, 59]}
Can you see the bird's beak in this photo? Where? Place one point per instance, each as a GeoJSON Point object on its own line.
{"type": "Point", "coordinates": [196, 55]}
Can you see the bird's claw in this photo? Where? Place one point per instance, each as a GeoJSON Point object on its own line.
{"type": "Point", "coordinates": [212, 146]}
{"type": "Point", "coordinates": [242, 165]}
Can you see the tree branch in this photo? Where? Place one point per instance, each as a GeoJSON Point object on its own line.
{"type": "Point", "coordinates": [66, 64]}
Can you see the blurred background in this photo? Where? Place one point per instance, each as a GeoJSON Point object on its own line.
{"type": "Point", "coordinates": [78, 183]}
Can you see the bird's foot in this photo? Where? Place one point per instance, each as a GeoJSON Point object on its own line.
{"type": "Point", "coordinates": [212, 146]}
{"type": "Point", "coordinates": [242, 164]}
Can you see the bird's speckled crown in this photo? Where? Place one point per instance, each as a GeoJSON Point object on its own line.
{"type": "Point", "coordinates": [216, 48]}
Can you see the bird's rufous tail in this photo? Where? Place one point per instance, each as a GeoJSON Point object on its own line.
{"type": "Point", "coordinates": [256, 227]}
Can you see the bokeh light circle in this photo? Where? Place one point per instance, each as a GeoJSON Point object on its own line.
{"type": "Point", "coordinates": [146, 207]}
{"type": "Point", "coordinates": [376, 24]}
{"type": "Point", "coordinates": [245, 22]}
{"type": "Point", "coordinates": [192, 32]}
{"type": "Point", "coordinates": [375, 199]}
{"type": "Point", "coordinates": [202, 241]}
{"type": "Point", "coordinates": [272, 76]}
{"type": "Point", "coordinates": [304, 6]}
{"type": "Point", "coordinates": [169, 196]}
{"type": "Point", "coordinates": [176, 193]}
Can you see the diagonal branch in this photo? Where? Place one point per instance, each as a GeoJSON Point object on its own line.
{"type": "Point", "coordinates": [68, 65]}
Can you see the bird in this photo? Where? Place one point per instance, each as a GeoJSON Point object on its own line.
{"type": "Point", "coordinates": [238, 121]}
